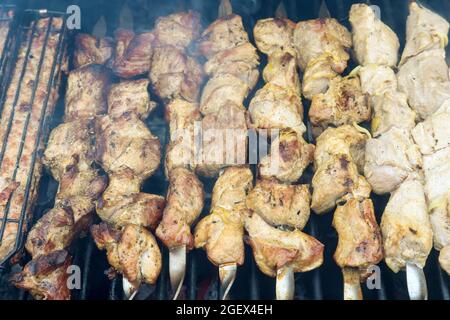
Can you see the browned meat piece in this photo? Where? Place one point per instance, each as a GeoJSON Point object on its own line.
{"type": "Point", "coordinates": [241, 61]}
{"type": "Point", "coordinates": [406, 227]}
{"type": "Point", "coordinates": [46, 277]}
{"type": "Point", "coordinates": [185, 199]}
{"type": "Point", "coordinates": [232, 187]}
{"type": "Point", "coordinates": [132, 251]}
{"type": "Point", "coordinates": [89, 49]}
{"type": "Point", "coordinates": [220, 91]}
{"type": "Point", "coordinates": [374, 42]}
{"type": "Point", "coordinates": [175, 75]}
{"type": "Point", "coordinates": [360, 244]}
{"type": "Point", "coordinates": [281, 70]}
{"type": "Point", "coordinates": [133, 52]}
{"type": "Point", "coordinates": [343, 103]}
{"type": "Point", "coordinates": [274, 34]}
{"type": "Point", "coordinates": [221, 232]}
{"type": "Point", "coordinates": [274, 248]}
{"type": "Point", "coordinates": [69, 145]}
{"type": "Point", "coordinates": [224, 33]}
{"type": "Point", "coordinates": [289, 156]}
{"type": "Point", "coordinates": [338, 161]}
{"type": "Point", "coordinates": [55, 231]}
{"type": "Point", "coordinates": [126, 144]}
{"type": "Point", "coordinates": [321, 46]}
{"type": "Point", "coordinates": [86, 92]}
{"type": "Point", "coordinates": [16, 131]}
{"type": "Point", "coordinates": [280, 204]}
{"type": "Point", "coordinates": [224, 140]}
{"type": "Point", "coordinates": [275, 107]}
{"type": "Point", "coordinates": [130, 96]}
{"type": "Point", "coordinates": [137, 208]}
{"type": "Point", "coordinates": [178, 29]}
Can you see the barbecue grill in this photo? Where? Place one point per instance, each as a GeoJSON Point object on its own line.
{"type": "Point", "coordinates": [202, 281]}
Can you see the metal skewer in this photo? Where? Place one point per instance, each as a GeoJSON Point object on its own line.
{"type": "Point", "coordinates": [227, 275]}
{"type": "Point", "coordinates": [285, 286]}
{"type": "Point", "coordinates": [416, 282]}
{"type": "Point", "coordinates": [129, 290]}
{"type": "Point", "coordinates": [352, 284]}
{"type": "Point", "coordinates": [177, 269]}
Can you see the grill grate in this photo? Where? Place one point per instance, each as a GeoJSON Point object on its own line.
{"type": "Point", "coordinates": [201, 280]}
{"type": "Point", "coordinates": [25, 36]}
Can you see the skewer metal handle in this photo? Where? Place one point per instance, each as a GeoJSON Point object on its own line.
{"type": "Point", "coordinates": [227, 275]}
{"type": "Point", "coordinates": [285, 286]}
{"type": "Point", "coordinates": [416, 281]}
{"type": "Point", "coordinates": [177, 269]}
{"type": "Point", "coordinates": [352, 284]}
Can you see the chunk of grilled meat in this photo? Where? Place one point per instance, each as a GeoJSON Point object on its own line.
{"type": "Point", "coordinates": [343, 103]}
{"type": "Point", "coordinates": [178, 29]}
{"type": "Point", "coordinates": [425, 31]}
{"type": "Point", "coordinates": [224, 140]}
{"type": "Point", "coordinates": [46, 277]}
{"type": "Point", "coordinates": [360, 244]}
{"type": "Point", "coordinates": [241, 62]}
{"type": "Point", "coordinates": [406, 228]}
{"type": "Point", "coordinates": [425, 79]}
{"type": "Point", "coordinates": [391, 159]}
{"type": "Point", "coordinates": [289, 156]}
{"type": "Point", "coordinates": [185, 199]}
{"type": "Point", "coordinates": [132, 54]}
{"type": "Point", "coordinates": [433, 134]}
{"type": "Point", "coordinates": [274, 34]}
{"type": "Point", "coordinates": [130, 97]}
{"type": "Point", "coordinates": [174, 74]}
{"type": "Point", "coordinates": [281, 70]}
{"type": "Point", "coordinates": [321, 46]}
{"type": "Point", "coordinates": [275, 107]}
{"type": "Point", "coordinates": [232, 187]}
{"type": "Point", "coordinates": [220, 91]}
{"type": "Point", "coordinates": [89, 49]}
{"type": "Point", "coordinates": [274, 249]}
{"type": "Point", "coordinates": [390, 107]}
{"type": "Point", "coordinates": [280, 204]}
{"type": "Point", "coordinates": [5, 26]}
{"type": "Point", "coordinates": [181, 116]}
{"type": "Point", "coordinates": [132, 251]}
{"type": "Point", "coordinates": [374, 42]}
{"type": "Point", "coordinates": [126, 144]}
{"type": "Point", "coordinates": [221, 232]}
{"type": "Point", "coordinates": [70, 145]}
{"type": "Point", "coordinates": [338, 161]}
{"type": "Point", "coordinates": [224, 33]}
{"type": "Point", "coordinates": [86, 91]}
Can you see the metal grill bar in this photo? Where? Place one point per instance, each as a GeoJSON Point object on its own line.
{"type": "Point", "coordinates": [53, 76]}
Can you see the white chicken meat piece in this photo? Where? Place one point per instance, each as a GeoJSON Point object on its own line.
{"type": "Point", "coordinates": [433, 134]}
{"type": "Point", "coordinates": [437, 189]}
{"type": "Point", "coordinates": [390, 107]}
{"type": "Point", "coordinates": [373, 41]}
{"type": "Point", "coordinates": [321, 46]}
{"type": "Point", "coordinates": [426, 81]}
{"type": "Point", "coordinates": [275, 107]}
{"type": "Point", "coordinates": [390, 159]}
{"type": "Point", "coordinates": [274, 34]}
{"type": "Point", "coordinates": [425, 30]}
{"type": "Point", "coordinates": [406, 228]}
